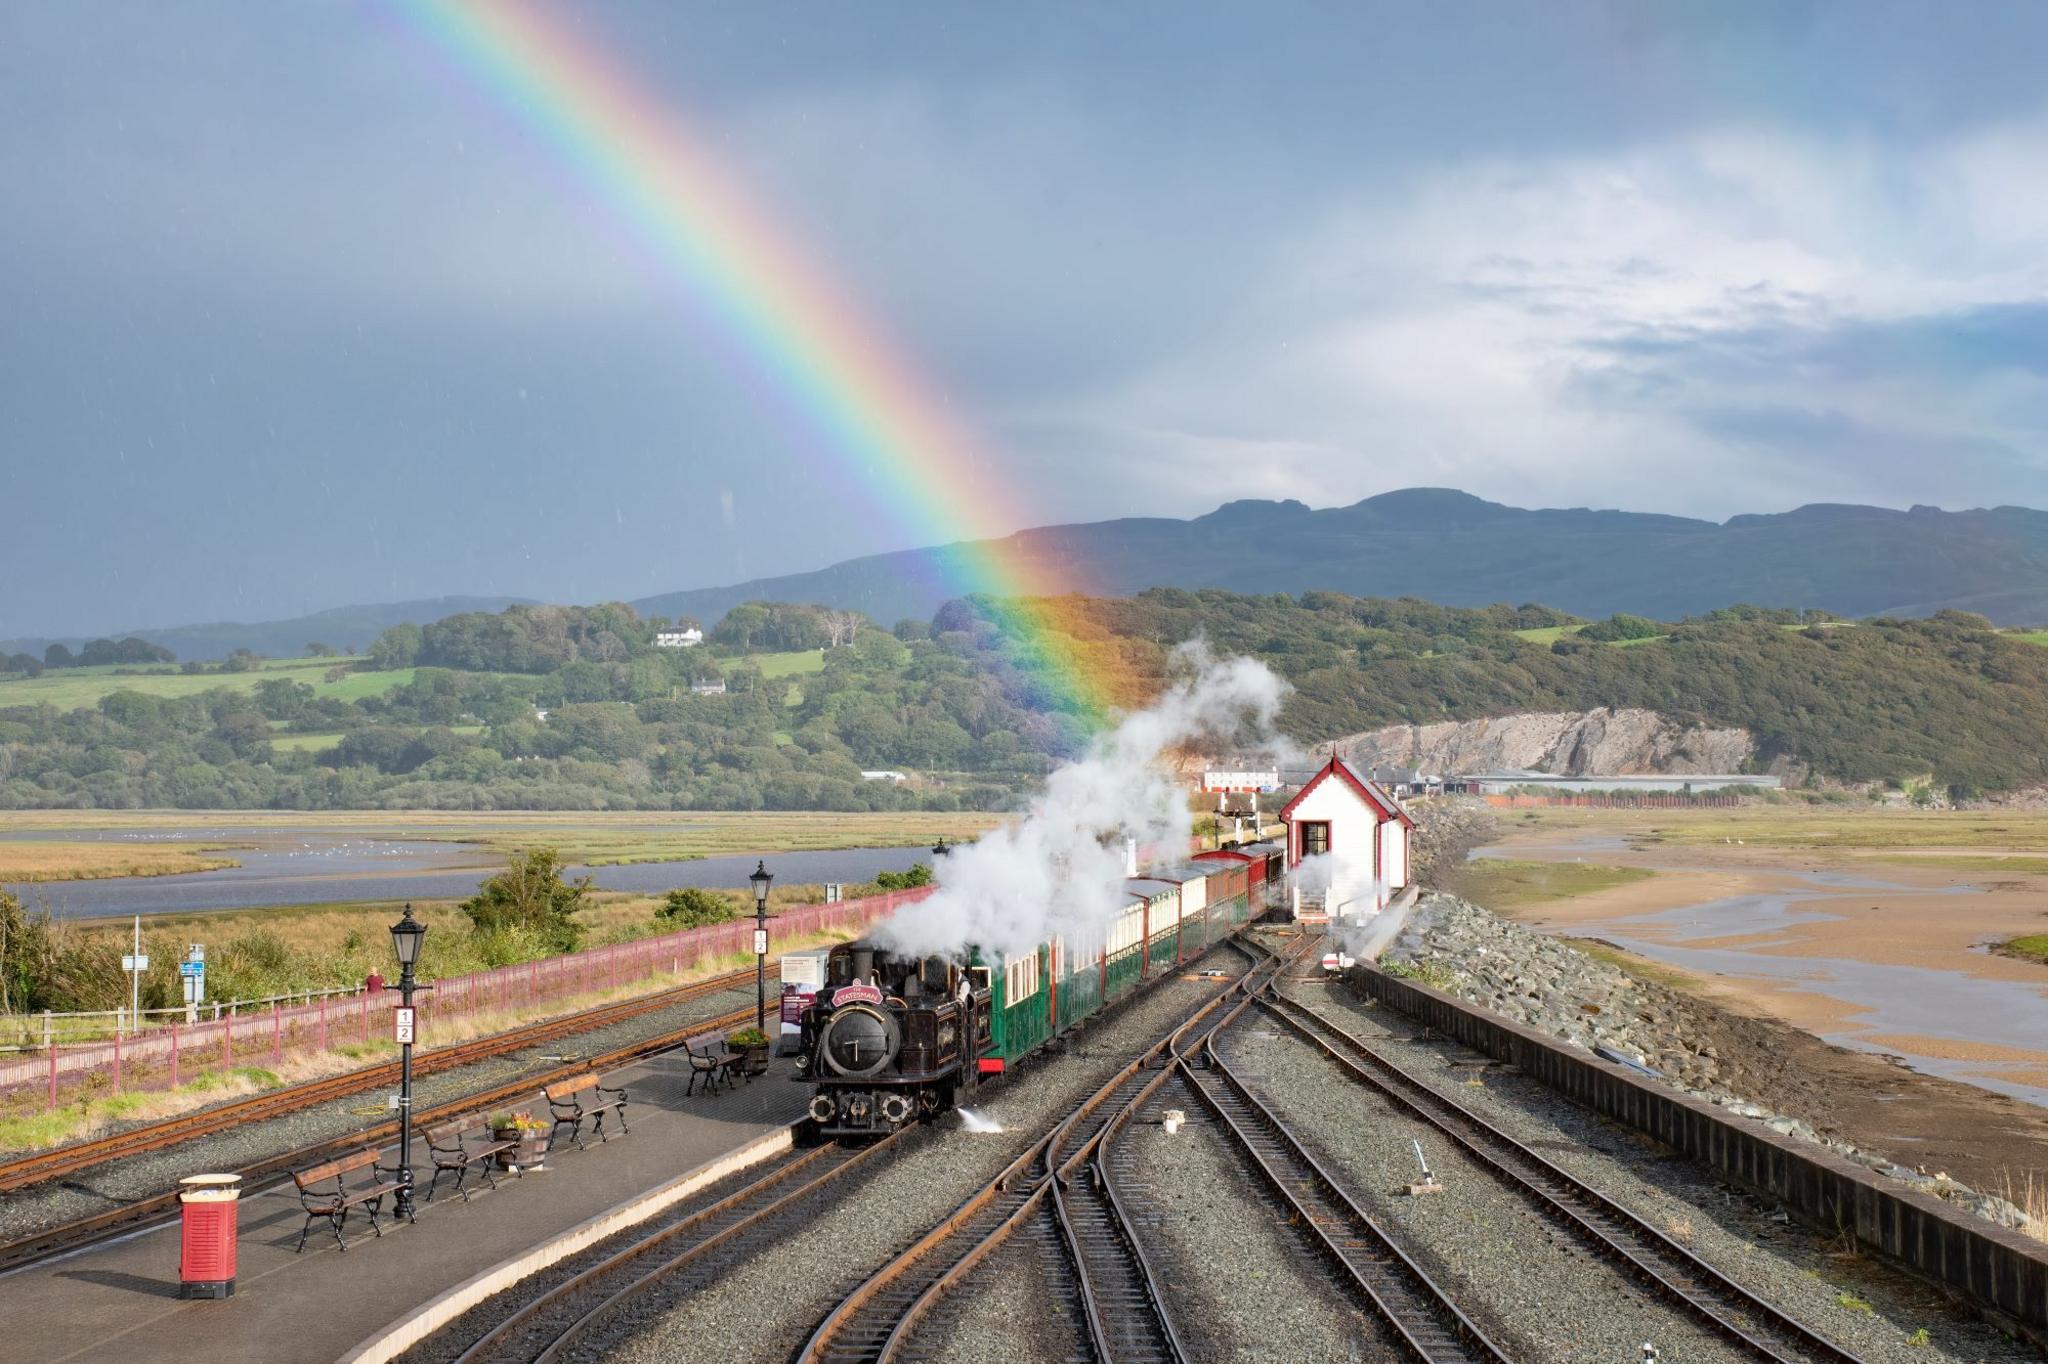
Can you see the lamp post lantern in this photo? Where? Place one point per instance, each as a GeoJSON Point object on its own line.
{"type": "Point", "coordinates": [406, 936]}
{"type": "Point", "coordinates": [761, 879]}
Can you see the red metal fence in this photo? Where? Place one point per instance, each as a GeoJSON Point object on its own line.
{"type": "Point", "coordinates": [166, 1057]}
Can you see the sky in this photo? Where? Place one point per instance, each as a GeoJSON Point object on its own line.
{"type": "Point", "coordinates": [294, 314]}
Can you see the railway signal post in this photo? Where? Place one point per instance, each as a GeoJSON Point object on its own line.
{"type": "Point", "coordinates": [406, 936]}
{"type": "Point", "coordinates": [761, 879]}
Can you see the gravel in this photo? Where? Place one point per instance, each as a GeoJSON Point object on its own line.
{"type": "Point", "coordinates": [765, 1308]}
{"type": "Point", "coordinates": [1867, 1307]}
{"type": "Point", "coordinates": [42, 1207]}
{"type": "Point", "coordinates": [1530, 1285]}
{"type": "Point", "coordinates": [1542, 983]}
{"type": "Point", "coordinates": [1241, 1285]}
{"type": "Point", "coordinates": [1022, 1286]}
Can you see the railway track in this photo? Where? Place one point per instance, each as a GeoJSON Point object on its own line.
{"type": "Point", "coordinates": [682, 1255]}
{"type": "Point", "coordinates": [68, 1160]}
{"type": "Point", "coordinates": [1387, 1281]}
{"type": "Point", "coordinates": [1122, 1304]}
{"type": "Point", "coordinates": [1604, 1226]}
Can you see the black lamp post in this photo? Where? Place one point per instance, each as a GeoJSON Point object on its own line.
{"type": "Point", "coordinates": [406, 936]}
{"type": "Point", "coordinates": [761, 879]}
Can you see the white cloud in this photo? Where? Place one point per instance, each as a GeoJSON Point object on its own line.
{"type": "Point", "coordinates": [1580, 328]}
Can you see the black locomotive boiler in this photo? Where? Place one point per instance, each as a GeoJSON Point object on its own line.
{"type": "Point", "coordinates": [891, 1039]}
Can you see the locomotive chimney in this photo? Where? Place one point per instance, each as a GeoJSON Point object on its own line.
{"type": "Point", "coordinates": [863, 963]}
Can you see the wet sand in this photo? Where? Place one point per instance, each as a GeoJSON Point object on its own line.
{"type": "Point", "coordinates": [1859, 948]}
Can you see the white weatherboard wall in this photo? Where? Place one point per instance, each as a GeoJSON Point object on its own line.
{"type": "Point", "coordinates": [1356, 827]}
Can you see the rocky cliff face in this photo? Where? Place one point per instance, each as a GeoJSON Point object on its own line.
{"type": "Point", "coordinates": [1594, 743]}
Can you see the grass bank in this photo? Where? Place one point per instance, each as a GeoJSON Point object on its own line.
{"type": "Point", "coordinates": [57, 860]}
{"type": "Point", "coordinates": [89, 1114]}
{"type": "Point", "coordinates": [1501, 883]}
{"type": "Point", "coordinates": [2032, 947]}
{"type": "Point", "coordinates": [71, 688]}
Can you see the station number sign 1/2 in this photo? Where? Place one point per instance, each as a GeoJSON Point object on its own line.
{"type": "Point", "coordinates": [760, 942]}
{"type": "Point", "coordinates": [401, 1025]}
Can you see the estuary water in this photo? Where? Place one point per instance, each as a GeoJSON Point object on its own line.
{"type": "Point", "coordinates": [316, 868]}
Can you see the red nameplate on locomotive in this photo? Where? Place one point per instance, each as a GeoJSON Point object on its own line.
{"type": "Point", "coordinates": [856, 994]}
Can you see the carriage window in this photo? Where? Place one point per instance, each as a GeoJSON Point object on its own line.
{"type": "Point", "coordinates": [1020, 978]}
{"type": "Point", "coordinates": [1315, 838]}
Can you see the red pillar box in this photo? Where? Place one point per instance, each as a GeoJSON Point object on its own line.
{"type": "Point", "coordinates": [206, 1253]}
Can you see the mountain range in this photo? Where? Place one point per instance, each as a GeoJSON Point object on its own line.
{"type": "Point", "coordinates": [1440, 544]}
{"type": "Point", "coordinates": [342, 627]}
{"type": "Point", "coordinates": [1455, 549]}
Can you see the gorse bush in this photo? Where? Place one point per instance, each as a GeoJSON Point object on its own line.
{"type": "Point", "coordinates": [530, 896]}
{"type": "Point", "coordinates": [694, 907]}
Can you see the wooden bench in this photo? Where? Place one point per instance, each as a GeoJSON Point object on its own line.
{"type": "Point", "coordinates": [710, 1058]}
{"type": "Point", "coordinates": [573, 1100]}
{"type": "Point", "coordinates": [335, 1203]}
{"type": "Point", "coordinates": [454, 1154]}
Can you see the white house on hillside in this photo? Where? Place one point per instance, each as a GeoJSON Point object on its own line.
{"type": "Point", "coordinates": [1347, 844]}
{"type": "Point", "coordinates": [678, 638]}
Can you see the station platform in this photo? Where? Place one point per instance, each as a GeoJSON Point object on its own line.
{"type": "Point", "coordinates": [118, 1302]}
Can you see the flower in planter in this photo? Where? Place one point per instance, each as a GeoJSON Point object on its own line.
{"type": "Point", "coordinates": [745, 1038]}
{"type": "Point", "coordinates": [520, 1123]}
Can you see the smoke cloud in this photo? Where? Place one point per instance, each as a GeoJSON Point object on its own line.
{"type": "Point", "coordinates": [1059, 871]}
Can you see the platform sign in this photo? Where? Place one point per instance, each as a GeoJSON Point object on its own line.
{"type": "Point", "coordinates": [402, 1025]}
{"type": "Point", "coordinates": [136, 961]}
{"type": "Point", "coordinates": [760, 942]}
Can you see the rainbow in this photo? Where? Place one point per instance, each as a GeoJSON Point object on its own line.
{"type": "Point", "coordinates": [704, 230]}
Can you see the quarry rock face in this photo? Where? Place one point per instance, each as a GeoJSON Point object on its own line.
{"type": "Point", "coordinates": [1593, 743]}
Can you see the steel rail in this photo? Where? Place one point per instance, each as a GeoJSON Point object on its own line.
{"type": "Point", "coordinates": [69, 1236]}
{"type": "Point", "coordinates": [706, 1231]}
{"type": "Point", "coordinates": [1424, 1317]}
{"type": "Point", "coordinates": [873, 1323]}
{"type": "Point", "coordinates": [1605, 1226]}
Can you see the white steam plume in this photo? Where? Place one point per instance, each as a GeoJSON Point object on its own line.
{"type": "Point", "coordinates": [1059, 871]}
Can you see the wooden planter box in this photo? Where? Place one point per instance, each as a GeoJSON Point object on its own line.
{"type": "Point", "coordinates": [529, 1154]}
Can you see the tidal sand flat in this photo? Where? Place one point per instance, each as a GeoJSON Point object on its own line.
{"type": "Point", "coordinates": [1869, 942]}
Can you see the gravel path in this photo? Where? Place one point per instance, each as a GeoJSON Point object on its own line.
{"type": "Point", "coordinates": [36, 1209]}
{"type": "Point", "coordinates": [764, 1309]}
{"type": "Point", "coordinates": [1875, 1311]}
{"type": "Point", "coordinates": [1541, 1295]}
{"type": "Point", "coordinates": [1241, 1284]}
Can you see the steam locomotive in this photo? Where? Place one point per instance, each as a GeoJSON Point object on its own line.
{"type": "Point", "coordinates": [893, 1039]}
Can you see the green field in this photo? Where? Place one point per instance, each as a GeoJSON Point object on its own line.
{"type": "Point", "coordinates": [790, 664]}
{"type": "Point", "coordinates": [2039, 637]}
{"type": "Point", "coordinates": [72, 688]}
{"type": "Point", "coordinates": [1549, 634]}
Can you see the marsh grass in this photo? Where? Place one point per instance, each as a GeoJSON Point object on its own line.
{"type": "Point", "coordinates": [587, 837]}
{"type": "Point", "coordinates": [57, 860]}
{"type": "Point", "coordinates": [1499, 882]}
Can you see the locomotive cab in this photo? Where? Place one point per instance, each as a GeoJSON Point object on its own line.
{"type": "Point", "coordinates": [890, 1038]}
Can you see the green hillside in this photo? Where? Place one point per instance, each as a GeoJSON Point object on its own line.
{"type": "Point", "coordinates": [574, 708]}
